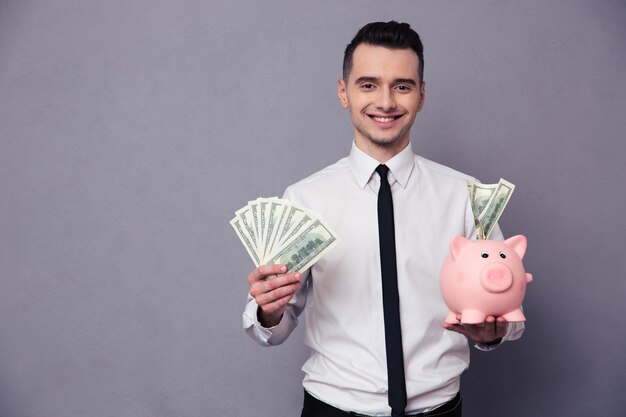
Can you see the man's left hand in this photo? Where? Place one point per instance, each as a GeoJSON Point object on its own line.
{"type": "Point", "coordinates": [492, 330]}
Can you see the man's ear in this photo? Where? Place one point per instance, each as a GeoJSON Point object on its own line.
{"type": "Point", "coordinates": [342, 94]}
{"type": "Point", "coordinates": [422, 96]}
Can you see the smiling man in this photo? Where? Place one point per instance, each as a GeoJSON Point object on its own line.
{"type": "Point", "coordinates": [383, 92]}
{"type": "Point", "coordinates": [372, 305]}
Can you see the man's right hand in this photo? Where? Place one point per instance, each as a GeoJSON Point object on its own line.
{"type": "Point", "coordinates": [273, 295]}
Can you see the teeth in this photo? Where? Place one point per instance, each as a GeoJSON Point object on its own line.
{"type": "Point", "coordinates": [383, 119]}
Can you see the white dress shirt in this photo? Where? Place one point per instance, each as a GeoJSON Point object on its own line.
{"type": "Point", "coordinates": [342, 295]}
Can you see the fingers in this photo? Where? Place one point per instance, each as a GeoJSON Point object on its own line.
{"type": "Point", "coordinates": [498, 325]}
{"type": "Point", "coordinates": [272, 295]}
{"type": "Point", "coordinates": [266, 292]}
{"type": "Point", "coordinates": [501, 327]}
{"type": "Point", "coordinates": [492, 328]}
{"type": "Point", "coordinates": [276, 306]}
{"type": "Point", "coordinates": [459, 328]}
{"type": "Point", "coordinates": [274, 302]}
{"type": "Point", "coordinates": [264, 270]}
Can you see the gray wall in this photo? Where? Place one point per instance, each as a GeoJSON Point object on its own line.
{"type": "Point", "coordinates": [131, 131]}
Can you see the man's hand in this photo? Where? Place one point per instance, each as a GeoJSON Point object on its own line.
{"type": "Point", "coordinates": [491, 331]}
{"type": "Point", "coordinates": [272, 295]}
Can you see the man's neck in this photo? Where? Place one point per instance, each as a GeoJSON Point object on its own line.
{"type": "Point", "coordinates": [381, 153]}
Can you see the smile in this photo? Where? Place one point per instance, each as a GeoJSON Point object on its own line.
{"type": "Point", "coordinates": [384, 119]}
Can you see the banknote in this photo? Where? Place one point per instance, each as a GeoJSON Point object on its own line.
{"type": "Point", "coordinates": [246, 239]}
{"type": "Point", "coordinates": [297, 218]}
{"type": "Point", "coordinates": [492, 212]}
{"type": "Point", "coordinates": [481, 197]}
{"type": "Point", "coordinates": [273, 230]}
{"type": "Point", "coordinates": [306, 248]}
{"type": "Point", "coordinates": [247, 221]}
{"type": "Point", "coordinates": [488, 203]}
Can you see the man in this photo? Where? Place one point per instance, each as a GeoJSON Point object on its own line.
{"type": "Point", "coordinates": [350, 368]}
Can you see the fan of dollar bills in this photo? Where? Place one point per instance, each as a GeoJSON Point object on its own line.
{"type": "Point", "coordinates": [275, 231]}
{"type": "Point", "coordinates": [488, 203]}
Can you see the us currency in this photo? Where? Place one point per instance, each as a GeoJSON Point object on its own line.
{"type": "Point", "coordinates": [262, 206]}
{"type": "Point", "coordinates": [270, 214]}
{"type": "Point", "coordinates": [297, 219]}
{"type": "Point", "coordinates": [289, 213]}
{"type": "Point", "coordinates": [246, 239]}
{"type": "Point", "coordinates": [488, 203]}
{"type": "Point", "coordinates": [252, 205]}
{"type": "Point", "coordinates": [278, 215]}
{"type": "Point", "coordinates": [492, 212]}
{"type": "Point", "coordinates": [481, 197]}
{"type": "Point", "coordinates": [306, 248]}
{"type": "Point", "coordinates": [274, 230]}
{"type": "Point", "coordinates": [247, 221]}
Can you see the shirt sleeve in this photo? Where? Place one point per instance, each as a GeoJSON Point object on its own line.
{"type": "Point", "coordinates": [271, 336]}
{"type": "Point", "coordinates": [513, 332]}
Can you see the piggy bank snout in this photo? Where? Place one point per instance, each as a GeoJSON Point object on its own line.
{"type": "Point", "coordinates": [496, 278]}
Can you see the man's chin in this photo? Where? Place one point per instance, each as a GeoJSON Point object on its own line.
{"type": "Point", "coordinates": [385, 142]}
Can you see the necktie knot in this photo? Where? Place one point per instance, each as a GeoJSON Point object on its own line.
{"type": "Point", "coordinates": [382, 170]}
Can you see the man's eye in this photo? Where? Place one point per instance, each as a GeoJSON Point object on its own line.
{"type": "Point", "coordinates": [403, 87]}
{"type": "Point", "coordinates": [367, 86]}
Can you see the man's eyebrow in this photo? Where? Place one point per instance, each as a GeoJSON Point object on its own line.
{"type": "Point", "coordinates": [369, 79]}
{"type": "Point", "coordinates": [366, 79]}
{"type": "Point", "coordinates": [405, 81]}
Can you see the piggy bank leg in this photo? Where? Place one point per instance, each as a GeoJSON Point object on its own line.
{"type": "Point", "coordinates": [451, 318]}
{"type": "Point", "coordinates": [515, 315]}
{"type": "Point", "coordinates": [472, 316]}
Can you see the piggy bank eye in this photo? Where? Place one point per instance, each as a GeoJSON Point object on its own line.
{"type": "Point", "coordinates": [484, 255]}
{"type": "Point", "coordinates": [502, 255]}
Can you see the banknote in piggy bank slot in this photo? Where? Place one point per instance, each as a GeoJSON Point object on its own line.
{"type": "Point", "coordinates": [481, 278]}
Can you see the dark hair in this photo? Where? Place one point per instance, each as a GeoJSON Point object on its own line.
{"type": "Point", "coordinates": [392, 35]}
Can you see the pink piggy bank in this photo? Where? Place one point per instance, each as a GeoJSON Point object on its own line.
{"type": "Point", "coordinates": [483, 278]}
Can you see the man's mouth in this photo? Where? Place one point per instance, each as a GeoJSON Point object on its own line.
{"type": "Point", "coordinates": [384, 119]}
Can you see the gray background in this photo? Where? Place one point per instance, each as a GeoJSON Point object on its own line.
{"type": "Point", "coordinates": [130, 132]}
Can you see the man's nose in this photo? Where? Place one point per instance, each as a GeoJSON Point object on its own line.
{"type": "Point", "coordinates": [386, 100]}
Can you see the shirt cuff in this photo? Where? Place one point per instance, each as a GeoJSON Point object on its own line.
{"type": "Point", "coordinates": [486, 347]}
{"type": "Point", "coordinates": [514, 331]}
{"type": "Point", "coordinates": [265, 336]}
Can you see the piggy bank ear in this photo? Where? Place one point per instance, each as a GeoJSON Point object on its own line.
{"type": "Point", "coordinates": [518, 244]}
{"type": "Point", "coordinates": [457, 245]}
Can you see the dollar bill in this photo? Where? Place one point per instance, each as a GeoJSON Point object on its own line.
{"type": "Point", "coordinates": [245, 238]}
{"type": "Point", "coordinates": [277, 217]}
{"type": "Point", "coordinates": [492, 212]}
{"type": "Point", "coordinates": [274, 230]}
{"type": "Point", "coordinates": [299, 219]}
{"type": "Point", "coordinates": [488, 203]}
{"type": "Point", "coordinates": [247, 221]}
{"type": "Point", "coordinates": [252, 205]}
{"type": "Point", "coordinates": [306, 248]}
{"type": "Point", "coordinates": [262, 207]}
{"type": "Point", "coordinates": [481, 197]}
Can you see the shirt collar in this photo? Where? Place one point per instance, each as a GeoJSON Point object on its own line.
{"type": "Point", "coordinates": [363, 166]}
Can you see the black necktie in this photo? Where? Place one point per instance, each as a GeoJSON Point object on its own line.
{"type": "Point", "coordinates": [391, 304]}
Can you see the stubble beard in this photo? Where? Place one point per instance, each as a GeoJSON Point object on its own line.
{"type": "Point", "coordinates": [381, 143]}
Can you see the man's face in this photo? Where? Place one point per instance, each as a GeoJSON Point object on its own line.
{"type": "Point", "coordinates": [383, 94]}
